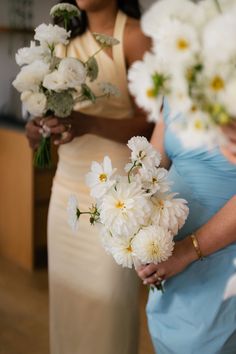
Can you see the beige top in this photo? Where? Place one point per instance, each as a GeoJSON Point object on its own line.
{"type": "Point", "coordinates": [112, 70]}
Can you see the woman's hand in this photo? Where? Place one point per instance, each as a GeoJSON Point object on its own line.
{"type": "Point", "coordinates": [184, 254]}
{"type": "Point", "coordinates": [33, 132]}
{"type": "Point", "coordinates": [62, 130]}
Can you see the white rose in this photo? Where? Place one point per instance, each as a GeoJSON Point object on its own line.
{"type": "Point", "coordinates": [35, 103]}
{"type": "Point", "coordinates": [73, 72]}
{"type": "Point", "coordinates": [49, 35]}
{"type": "Point", "coordinates": [55, 82]}
{"type": "Point", "coordinates": [28, 55]}
{"type": "Point", "coordinates": [31, 76]}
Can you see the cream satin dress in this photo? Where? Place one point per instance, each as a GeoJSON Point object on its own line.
{"type": "Point", "coordinates": [93, 301]}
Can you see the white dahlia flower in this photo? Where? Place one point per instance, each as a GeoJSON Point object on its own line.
{"type": "Point", "coordinates": [28, 55]}
{"type": "Point", "coordinates": [153, 244]}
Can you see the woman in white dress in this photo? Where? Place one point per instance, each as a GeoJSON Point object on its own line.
{"type": "Point", "coordinates": [93, 301]}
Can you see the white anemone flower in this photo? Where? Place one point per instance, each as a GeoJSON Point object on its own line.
{"type": "Point", "coordinates": [55, 82]}
{"type": "Point", "coordinates": [99, 179]}
{"type": "Point", "coordinates": [141, 77]}
{"type": "Point", "coordinates": [177, 43]}
{"type": "Point", "coordinates": [125, 208]}
{"type": "Point", "coordinates": [143, 154]}
{"type": "Point", "coordinates": [72, 207]}
{"type": "Point", "coordinates": [31, 76]}
{"type": "Point", "coordinates": [122, 251]}
{"type": "Point", "coordinates": [50, 36]}
{"type": "Point", "coordinates": [34, 102]}
{"type": "Point", "coordinates": [231, 286]}
{"type": "Point", "coordinates": [169, 212]}
{"type": "Point", "coordinates": [28, 55]}
{"type": "Point", "coordinates": [153, 244]}
{"type": "Point", "coordinates": [155, 180]}
{"type": "Point", "coordinates": [72, 71]}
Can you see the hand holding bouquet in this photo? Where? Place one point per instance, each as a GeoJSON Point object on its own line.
{"type": "Point", "coordinates": [137, 215]}
{"type": "Point", "coordinates": [192, 64]}
{"type": "Point", "coordinates": [51, 85]}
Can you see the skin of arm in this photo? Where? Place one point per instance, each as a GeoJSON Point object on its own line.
{"type": "Point", "coordinates": [229, 151]}
{"type": "Point", "coordinates": [217, 233]}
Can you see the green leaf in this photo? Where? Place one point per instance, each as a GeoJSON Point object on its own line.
{"type": "Point", "coordinates": [61, 103]}
{"type": "Point", "coordinates": [87, 93]}
{"type": "Point", "coordinates": [92, 68]}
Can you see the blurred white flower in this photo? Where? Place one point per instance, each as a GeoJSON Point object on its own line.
{"type": "Point", "coordinates": [72, 207]}
{"type": "Point", "coordinates": [31, 76]}
{"type": "Point", "coordinates": [219, 45]}
{"type": "Point", "coordinates": [177, 43]}
{"type": "Point", "coordinates": [72, 71]}
{"type": "Point", "coordinates": [50, 36]}
{"type": "Point", "coordinates": [183, 10]}
{"type": "Point", "coordinates": [143, 154]}
{"type": "Point", "coordinates": [228, 98]}
{"type": "Point", "coordinates": [99, 179]}
{"type": "Point", "coordinates": [125, 208]}
{"type": "Point", "coordinates": [122, 251]}
{"type": "Point", "coordinates": [169, 212]}
{"type": "Point", "coordinates": [153, 244]}
{"type": "Point", "coordinates": [108, 89]}
{"type": "Point", "coordinates": [34, 102]}
{"type": "Point", "coordinates": [179, 98]}
{"type": "Point", "coordinates": [231, 286]}
{"type": "Point", "coordinates": [148, 83]}
{"type": "Point", "coordinates": [29, 54]}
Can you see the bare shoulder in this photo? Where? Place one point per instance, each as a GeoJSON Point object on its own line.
{"type": "Point", "coordinates": [136, 43]}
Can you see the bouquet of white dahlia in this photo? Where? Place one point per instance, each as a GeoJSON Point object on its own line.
{"type": "Point", "coordinates": [51, 85]}
{"type": "Point", "coordinates": [193, 64]}
{"type": "Point", "coordinates": [137, 213]}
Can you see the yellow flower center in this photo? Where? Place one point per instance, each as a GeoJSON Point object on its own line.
{"type": "Point", "coordinates": [103, 177]}
{"type": "Point", "coordinates": [129, 249]}
{"type": "Point", "coordinates": [154, 180]}
{"type": "Point", "coordinates": [120, 205]}
{"type": "Point", "coordinates": [182, 44]}
{"type": "Point", "coordinates": [217, 83]}
{"type": "Point", "coordinates": [151, 93]}
{"type": "Point", "coordinates": [161, 204]}
{"type": "Point", "coordinates": [198, 124]}
{"type": "Point", "coordinates": [155, 250]}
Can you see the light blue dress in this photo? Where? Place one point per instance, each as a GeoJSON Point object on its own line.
{"type": "Point", "coordinates": [191, 316]}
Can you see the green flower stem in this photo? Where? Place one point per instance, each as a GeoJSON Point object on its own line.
{"type": "Point", "coordinates": [217, 3]}
{"type": "Point", "coordinates": [92, 56]}
{"type": "Point", "coordinates": [42, 156]}
{"type": "Point", "coordinates": [159, 287]}
{"type": "Point", "coordinates": [131, 169]}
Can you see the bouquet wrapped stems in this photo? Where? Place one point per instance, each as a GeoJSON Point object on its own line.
{"type": "Point", "coordinates": [42, 156]}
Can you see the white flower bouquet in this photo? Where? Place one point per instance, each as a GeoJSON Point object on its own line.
{"type": "Point", "coordinates": [137, 214]}
{"type": "Point", "coordinates": [192, 63]}
{"type": "Point", "coordinates": [50, 85]}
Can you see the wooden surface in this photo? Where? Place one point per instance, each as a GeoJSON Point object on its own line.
{"type": "Point", "coordinates": [24, 200]}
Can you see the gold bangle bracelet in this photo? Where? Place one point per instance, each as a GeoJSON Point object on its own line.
{"type": "Point", "coordinates": [196, 246]}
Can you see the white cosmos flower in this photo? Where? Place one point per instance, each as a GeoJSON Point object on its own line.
{"type": "Point", "coordinates": [31, 76]}
{"type": "Point", "coordinates": [99, 179]}
{"type": "Point", "coordinates": [122, 251]}
{"type": "Point", "coordinates": [231, 286]}
{"type": "Point", "coordinates": [210, 10]}
{"type": "Point", "coordinates": [50, 36]}
{"type": "Point", "coordinates": [72, 212]}
{"type": "Point", "coordinates": [125, 208]}
{"type": "Point", "coordinates": [153, 244]}
{"type": "Point", "coordinates": [182, 10]}
{"type": "Point", "coordinates": [219, 45]}
{"type": "Point", "coordinates": [179, 98]}
{"type": "Point", "coordinates": [155, 180]}
{"type": "Point", "coordinates": [141, 77]}
{"type": "Point", "coordinates": [143, 153]}
{"type": "Point", "coordinates": [177, 43]}
{"type": "Point", "coordinates": [28, 55]}
{"type": "Point", "coordinates": [34, 102]}
{"type": "Point", "coordinates": [169, 212]}
{"type": "Point", "coordinates": [72, 71]}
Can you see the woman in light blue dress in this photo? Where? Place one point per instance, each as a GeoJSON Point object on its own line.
{"type": "Point", "coordinates": [192, 316]}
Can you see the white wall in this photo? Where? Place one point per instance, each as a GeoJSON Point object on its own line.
{"type": "Point", "coordinates": [9, 44]}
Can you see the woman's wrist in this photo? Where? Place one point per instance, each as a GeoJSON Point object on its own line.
{"type": "Point", "coordinates": [189, 251]}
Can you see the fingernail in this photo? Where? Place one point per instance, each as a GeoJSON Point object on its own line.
{"type": "Point", "coordinates": [41, 131]}
{"type": "Point", "coordinates": [56, 142]}
{"type": "Point", "coordinates": [145, 282]}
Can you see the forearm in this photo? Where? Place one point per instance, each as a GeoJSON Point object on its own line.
{"type": "Point", "coordinates": [120, 130]}
{"type": "Point", "coordinates": [220, 230]}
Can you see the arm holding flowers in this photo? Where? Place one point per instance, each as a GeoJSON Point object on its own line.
{"type": "Point", "coordinates": [217, 233]}
{"type": "Point", "coordinates": [230, 150]}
